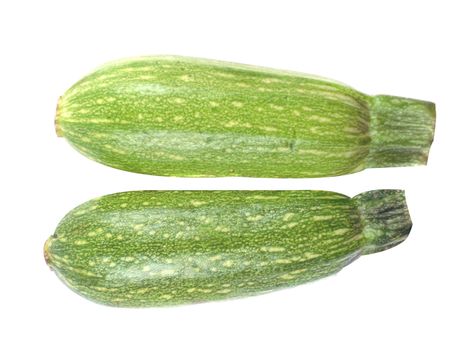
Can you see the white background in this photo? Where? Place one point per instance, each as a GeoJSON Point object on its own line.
{"type": "Point", "coordinates": [411, 296]}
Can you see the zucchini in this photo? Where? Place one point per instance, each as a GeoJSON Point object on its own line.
{"type": "Point", "coordinates": [157, 248]}
{"type": "Point", "coordinates": [178, 116]}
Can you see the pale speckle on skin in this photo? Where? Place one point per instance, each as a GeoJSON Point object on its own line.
{"type": "Point", "coordinates": [168, 272]}
{"type": "Point", "coordinates": [186, 78]}
{"type": "Point", "coordinates": [272, 249]}
{"type": "Point", "coordinates": [282, 261]}
{"type": "Point", "coordinates": [191, 290]}
{"type": "Point", "coordinates": [213, 104]}
{"type": "Point", "coordinates": [81, 242]}
{"type": "Point", "coordinates": [228, 263]}
{"type": "Point", "coordinates": [288, 216]}
{"type": "Point", "coordinates": [179, 100]}
{"type": "Point", "coordinates": [111, 99]}
{"type": "Point", "coordinates": [254, 218]}
{"type": "Point", "coordinates": [138, 226]}
{"type": "Point", "coordinates": [146, 268]}
{"type": "Point", "coordinates": [311, 151]}
{"type": "Point", "coordinates": [224, 75]}
{"type": "Point", "coordinates": [224, 291]}
{"type": "Point", "coordinates": [175, 157]}
{"type": "Point", "coordinates": [292, 275]}
{"type": "Point", "coordinates": [270, 80]}
{"type": "Point", "coordinates": [322, 217]}
{"type": "Point", "coordinates": [123, 205]}
{"type": "Point", "coordinates": [92, 233]}
{"type": "Point", "coordinates": [231, 123]}
{"type": "Point", "coordinates": [356, 237]}
{"type": "Point", "coordinates": [340, 231]}
{"type": "Point", "coordinates": [166, 296]}
{"type": "Point", "coordinates": [309, 255]}
{"type": "Point", "coordinates": [108, 235]}
{"type": "Point", "coordinates": [287, 277]}
{"type": "Point", "coordinates": [259, 196]}
{"type": "Point", "coordinates": [112, 264]}
{"type": "Point", "coordinates": [197, 203]}
{"type": "Point", "coordinates": [221, 229]}
{"type": "Point", "coordinates": [120, 237]}
{"type": "Point", "coordinates": [237, 104]}
{"type": "Point", "coordinates": [145, 203]}
{"type": "Point", "coordinates": [276, 107]}
{"type": "Point", "coordinates": [317, 118]}
{"type": "Point", "coordinates": [268, 128]}
{"type": "Point", "coordinates": [206, 219]}
{"type": "Point", "coordinates": [216, 257]}
{"type": "Point", "coordinates": [166, 235]}
{"type": "Point", "coordinates": [128, 258]}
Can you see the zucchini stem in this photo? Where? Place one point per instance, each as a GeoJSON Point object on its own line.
{"type": "Point", "coordinates": [401, 131]}
{"type": "Point", "coordinates": [385, 219]}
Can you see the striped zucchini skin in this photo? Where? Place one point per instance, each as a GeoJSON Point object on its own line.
{"type": "Point", "coordinates": [178, 116]}
{"type": "Point", "coordinates": [158, 248]}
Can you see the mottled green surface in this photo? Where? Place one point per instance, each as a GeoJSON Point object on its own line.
{"type": "Point", "coordinates": [156, 248]}
{"type": "Point", "coordinates": [179, 116]}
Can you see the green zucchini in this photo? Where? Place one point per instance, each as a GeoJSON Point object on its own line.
{"type": "Point", "coordinates": [178, 116]}
{"type": "Point", "coordinates": [157, 248]}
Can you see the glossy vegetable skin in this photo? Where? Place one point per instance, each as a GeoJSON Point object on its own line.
{"type": "Point", "coordinates": [178, 116]}
{"type": "Point", "coordinates": [158, 248]}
